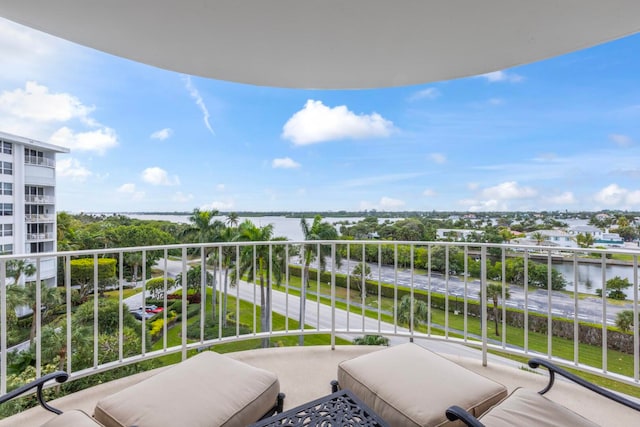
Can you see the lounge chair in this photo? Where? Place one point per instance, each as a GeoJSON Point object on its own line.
{"type": "Point", "coordinates": [206, 390]}
{"type": "Point", "coordinates": [529, 408]}
{"type": "Point", "coordinates": [410, 386]}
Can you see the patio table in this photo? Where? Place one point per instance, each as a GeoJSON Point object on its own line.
{"type": "Point", "coordinates": [335, 409]}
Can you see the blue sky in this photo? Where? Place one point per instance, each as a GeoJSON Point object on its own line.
{"type": "Point", "coordinates": [554, 135]}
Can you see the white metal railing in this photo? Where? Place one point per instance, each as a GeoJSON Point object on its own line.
{"type": "Point", "coordinates": [39, 218]}
{"type": "Point", "coordinates": [414, 290]}
{"type": "Point", "coordinates": [29, 198]}
{"type": "Point", "coordinates": [40, 161]}
{"type": "Point", "coordinates": [40, 236]}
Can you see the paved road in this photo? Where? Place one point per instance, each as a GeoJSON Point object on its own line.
{"type": "Point", "coordinates": [562, 304]}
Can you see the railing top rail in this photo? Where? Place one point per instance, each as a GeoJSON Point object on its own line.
{"type": "Point", "coordinates": [179, 246]}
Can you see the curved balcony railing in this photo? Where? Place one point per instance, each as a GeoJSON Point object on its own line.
{"type": "Point", "coordinates": [39, 199]}
{"type": "Point", "coordinates": [435, 290]}
{"type": "Point", "coordinates": [39, 161]}
{"type": "Point", "coordinates": [40, 236]}
{"type": "Point", "coordinates": [31, 218]}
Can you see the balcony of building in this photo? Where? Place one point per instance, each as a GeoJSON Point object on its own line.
{"type": "Point", "coordinates": [39, 199]}
{"type": "Point", "coordinates": [39, 161]}
{"type": "Point", "coordinates": [455, 282]}
{"type": "Point", "coordinates": [39, 218]}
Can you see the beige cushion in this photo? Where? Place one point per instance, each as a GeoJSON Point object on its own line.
{"type": "Point", "coordinates": [72, 418]}
{"type": "Point", "coordinates": [206, 390]}
{"type": "Point", "coordinates": [408, 385]}
{"type": "Point", "coordinates": [528, 408]}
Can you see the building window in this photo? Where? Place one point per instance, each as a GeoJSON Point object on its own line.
{"type": "Point", "coordinates": [7, 230]}
{"type": "Point", "coordinates": [6, 188]}
{"type": "Point", "coordinates": [7, 209]}
{"type": "Point", "coordinates": [7, 147]}
{"type": "Point", "coordinates": [6, 249]}
{"type": "Point", "coordinates": [7, 168]}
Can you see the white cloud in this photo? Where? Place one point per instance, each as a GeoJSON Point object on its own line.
{"type": "Point", "coordinates": [385, 203]}
{"type": "Point", "coordinates": [130, 189]}
{"type": "Point", "coordinates": [159, 176]}
{"type": "Point", "coordinates": [438, 158]}
{"type": "Point", "coordinates": [72, 168]}
{"type": "Point", "coordinates": [220, 205]}
{"type": "Point", "coordinates": [36, 102]}
{"type": "Point", "coordinates": [318, 123]}
{"type": "Point", "coordinates": [566, 198]}
{"type": "Point", "coordinates": [162, 134]}
{"type": "Point", "coordinates": [428, 93]}
{"type": "Point", "coordinates": [508, 190]}
{"type": "Point", "coordinates": [99, 140]}
{"type": "Point", "coordinates": [195, 94]}
{"type": "Point", "coordinates": [611, 195]}
{"type": "Point", "coordinates": [502, 76]}
{"type": "Point", "coordinates": [285, 163]}
{"type": "Point", "coordinates": [127, 188]}
{"type": "Point", "coordinates": [498, 197]}
{"type": "Point", "coordinates": [429, 193]}
{"type": "Point", "coordinates": [621, 140]}
{"type": "Point", "coordinates": [220, 187]}
{"type": "Point", "coordinates": [180, 197]}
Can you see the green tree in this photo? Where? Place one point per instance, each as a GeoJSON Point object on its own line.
{"type": "Point", "coordinates": [318, 230]}
{"type": "Point", "coordinates": [18, 267]}
{"type": "Point", "coordinates": [584, 240]}
{"type": "Point", "coordinates": [494, 293]}
{"type": "Point", "coordinates": [82, 273]}
{"type": "Point", "coordinates": [232, 219]}
{"type": "Point", "coordinates": [420, 311]}
{"type": "Point", "coordinates": [155, 286]}
{"type": "Point", "coordinates": [538, 237]}
{"type": "Point", "coordinates": [49, 300]}
{"type": "Point", "coordinates": [624, 320]}
{"type": "Point", "coordinates": [258, 267]}
{"type": "Point", "coordinates": [359, 275]}
{"type": "Point", "coordinates": [615, 288]}
{"type": "Point", "coordinates": [194, 279]}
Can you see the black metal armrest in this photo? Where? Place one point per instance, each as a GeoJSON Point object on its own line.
{"type": "Point", "coordinates": [553, 369]}
{"type": "Point", "coordinates": [59, 376]}
{"type": "Point", "coordinates": [455, 413]}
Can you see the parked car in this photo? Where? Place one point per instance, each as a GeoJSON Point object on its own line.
{"type": "Point", "coordinates": [151, 309]}
{"type": "Point", "coordinates": [139, 314]}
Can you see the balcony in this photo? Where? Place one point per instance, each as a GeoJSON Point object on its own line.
{"type": "Point", "coordinates": [446, 278]}
{"type": "Point", "coordinates": [39, 161]}
{"type": "Point", "coordinates": [37, 218]}
{"type": "Point", "coordinates": [34, 237]}
{"type": "Point", "coordinates": [48, 200]}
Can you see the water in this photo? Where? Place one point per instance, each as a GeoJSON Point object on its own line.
{"type": "Point", "coordinates": [589, 275]}
{"type": "Point", "coordinates": [282, 226]}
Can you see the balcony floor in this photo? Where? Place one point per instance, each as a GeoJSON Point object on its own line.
{"type": "Point", "coordinates": [318, 366]}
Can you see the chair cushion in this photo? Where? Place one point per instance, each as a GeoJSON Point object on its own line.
{"type": "Point", "coordinates": [408, 385]}
{"type": "Point", "coordinates": [74, 418]}
{"type": "Point", "coordinates": [528, 408]}
{"type": "Point", "coordinates": [206, 390]}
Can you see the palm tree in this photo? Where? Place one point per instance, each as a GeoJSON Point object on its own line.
{"type": "Point", "coordinates": [584, 240]}
{"type": "Point", "coordinates": [538, 237]}
{"type": "Point", "coordinates": [49, 298]}
{"type": "Point", "coordinates": [258, 267]}
{"type": "Point", "coordinates": [232, 219]}
{"type": "Point", "coordinates": [318, 231]}
{"type": "Point", "coordinates": [420, 311]}
{"type": "Point", "coordinates": [494, 293]}
{"type": "Point", "coordinates": [17, 267]}
{"type": "Point", "coordinates": [360, 274]}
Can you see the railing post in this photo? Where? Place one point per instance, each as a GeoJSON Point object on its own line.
{"type": "Point", "coordinates": [483, 302]}
{"type": "Point", "coordinates": [3, 327]}
{"type": "Point", "coordinates": [333, 296]}
{"type": "Point", "coordinates": [184, 304]}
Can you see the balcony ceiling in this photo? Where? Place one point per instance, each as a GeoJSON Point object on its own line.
{"type": "Point", "coordinates": [331, 43]}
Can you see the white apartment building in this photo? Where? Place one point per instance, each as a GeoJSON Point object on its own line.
{"type": "Point", "coordinates": [28, 200]}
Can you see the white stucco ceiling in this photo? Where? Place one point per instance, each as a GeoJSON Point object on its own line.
{"type": "Point", "coordinates": [331, 43]}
